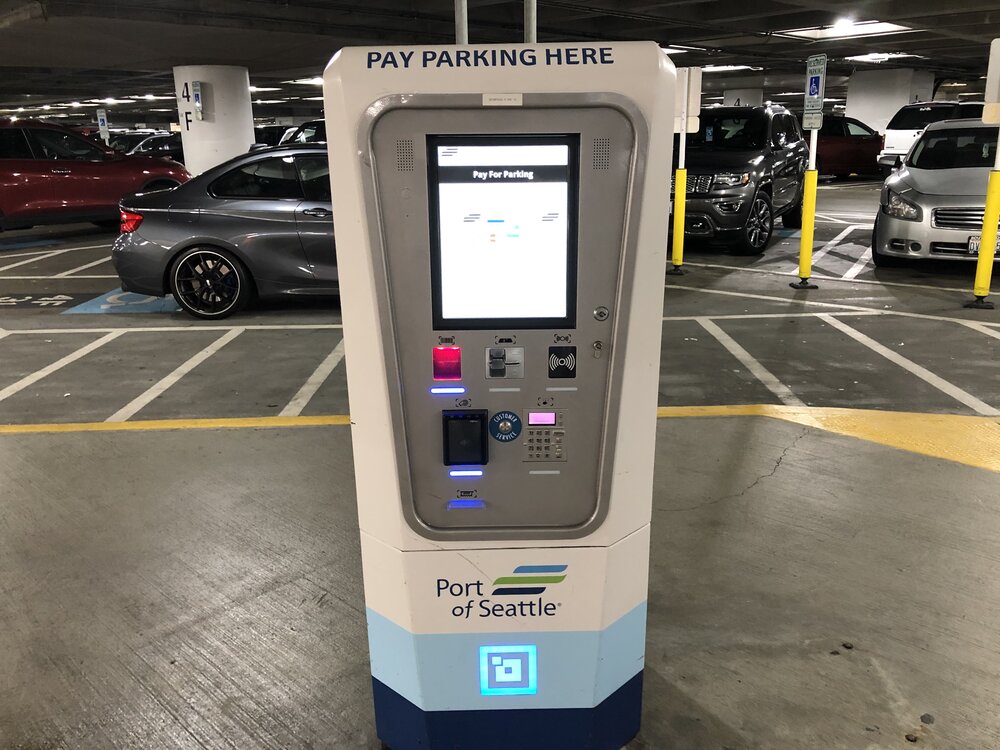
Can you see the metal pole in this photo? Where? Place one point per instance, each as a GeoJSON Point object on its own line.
{"type": "Point", "coordinates": [461, 22]}
{"type": "Point", "coordinates": [808, 218]}
{"type": "Point", "coordinates": [530, 21]}
{"type": "Point", "coordinates": [680, 186]}
{"type": "Point", "coordinates": [988, 239]}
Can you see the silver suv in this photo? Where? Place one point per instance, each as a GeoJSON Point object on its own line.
{"type": "Point", "coordinates": [746, 167]}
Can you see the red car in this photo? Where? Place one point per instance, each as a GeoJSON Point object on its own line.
{"type": "Point", "coordinates": [51, 175]}
{"type": "Point", "coordinates": [847, 146]}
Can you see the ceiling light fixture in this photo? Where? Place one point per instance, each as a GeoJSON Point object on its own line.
{"type": "Point", "coordinates": [317, 81]}
{"type": "Point", "coordinates": [878, 57]}
{"type": "Point", "coordinates": [727, 68]}
{"type": "Point", "coordinates": [255, 89]}
{"type": "Point", "coordinates": [841, 30]}
{"type": "Point", "coordinates": [673, 50]}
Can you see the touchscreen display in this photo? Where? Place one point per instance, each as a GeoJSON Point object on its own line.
{"type": "Point", "coordinates": [503, 231]}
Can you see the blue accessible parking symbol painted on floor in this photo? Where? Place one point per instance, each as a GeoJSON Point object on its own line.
{"type": "Point", "coordinates": [117, 301]}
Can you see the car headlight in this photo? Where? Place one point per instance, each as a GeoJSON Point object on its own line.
{"type": "Point", "coordinates": [731, 179]}
{"type": "Point", "coordinates": [900, 208]}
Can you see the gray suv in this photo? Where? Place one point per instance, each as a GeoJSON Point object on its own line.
{"type": "Point", "coordinates": [746, 167]}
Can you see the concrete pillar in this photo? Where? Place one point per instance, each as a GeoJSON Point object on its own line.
{"type": "Point", "coordinates": [874, 96]}
{"type": "Point", "coordinates": [743, 97]}
{"type": "Point", "coordinates": [224, 126]}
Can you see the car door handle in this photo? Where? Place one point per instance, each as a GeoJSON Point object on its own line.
{"type": "Point", "coordinates": [60, 171]}
{"type": "Point", "coordinates": [319, 213]}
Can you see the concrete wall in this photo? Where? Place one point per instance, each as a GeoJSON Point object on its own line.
{"type": "Point", "coordinates": [874, 96]}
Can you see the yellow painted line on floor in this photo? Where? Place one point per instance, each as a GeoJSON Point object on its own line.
{"type": "Point", "coordinates": [235, 423]}
{"type": "Point", "coordinates": [973, 441]}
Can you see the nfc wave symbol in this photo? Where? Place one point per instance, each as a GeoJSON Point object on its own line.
{"type": "Point", "coordinates": [529, 580]}
{"type": "Point", "coordinates": [555, 362]}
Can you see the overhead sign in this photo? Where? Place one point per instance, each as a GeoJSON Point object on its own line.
{"type": "Point", "coordinates": [689, 105]}
{"type": "Point", "coordinates": [102, 124]}
{"type": "Point", "coordinates": [991, 112]}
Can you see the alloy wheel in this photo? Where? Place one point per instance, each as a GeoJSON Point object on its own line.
{"type": "Point", "coordinates": [207, 282]}
{"type": "Point", "coordinates": [759, 223]}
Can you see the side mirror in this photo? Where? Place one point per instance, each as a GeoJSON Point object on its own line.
{"type": "Point", "coordinates": [899, 162]}
{"type": "Point", "coordinates": [258, 147]}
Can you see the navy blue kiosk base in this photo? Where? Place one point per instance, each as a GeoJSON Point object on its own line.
{"type": "Point", "coordinates": [609, 726]}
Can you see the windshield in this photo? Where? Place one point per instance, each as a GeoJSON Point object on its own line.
{"type": "Point", "coordinates": [919, 117]}
{"type": "Point", "coordinates": [730, 131]}
{"type": "Point", "coordinates": [955, 149]}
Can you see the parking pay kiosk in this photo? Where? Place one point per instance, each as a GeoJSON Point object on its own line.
{"type": "Point", "coordinates": [501, 221]}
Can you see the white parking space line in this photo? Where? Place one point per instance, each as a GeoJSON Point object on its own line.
{"type": "Point", "coordinates": [826, 277]}
{"type": "Point", "coordinates": [818, 255]}
{"type": "Point", "coordinates": [34, 377]}
{"type": "Point", "coordinates": [183, 329]}
{"type": "Point", "coordinates": [859, 265]}
{"type": "Point", "coordinates": [975, 326]}
{"type": "Point", "coordinates": [48, 255]}
{"type": "Point", "coordinates": [144, 399]}
{"type": "Point", "coordinates": [301, 399]}
{"type": "Point", "coordinates": [815, 303]}
{"type": "Point", "coordinates": [765, 376]}
{"type": "Point", "coordinates": [952, 390]}
{"type": "Point", "coordinates": [759, 316]}
{"type": "Point", "coordinates": [47, 278]}
{"type": "Point", "coordinates": [84, 267]}
{"type": "Point", "coordinates": [31, 253]}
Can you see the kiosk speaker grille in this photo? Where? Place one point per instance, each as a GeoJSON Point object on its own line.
{"type": "Point", "coordinates": [404, 155]}
{"type": "Point", "coordinates": [602, 153]}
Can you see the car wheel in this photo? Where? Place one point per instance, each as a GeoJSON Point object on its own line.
{"type": "Point", "coordinates": [878, 259]}
{"type": "Point", "coordinates": [792, 218]}
{"type": "Point", "coordinates": [209, 283]}
{"type": "Point", "coordinates": [756, 233]}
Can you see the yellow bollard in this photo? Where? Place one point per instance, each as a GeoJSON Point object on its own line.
{"type": "Point", "coordinates": [808, 227]}
{"type": "Point", "coordinates": [987, 245]}
{"type": "Point", "coordinates": [680, 201]}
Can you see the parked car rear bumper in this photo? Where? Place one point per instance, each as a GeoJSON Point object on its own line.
{"type": "Point", "coordinates": [139, 264]}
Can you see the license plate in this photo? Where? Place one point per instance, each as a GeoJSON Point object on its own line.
{"type": "Point", "coordinates": [974, 243]}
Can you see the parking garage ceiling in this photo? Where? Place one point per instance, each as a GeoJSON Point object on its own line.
{"type": "Point", "coordinates": [59, 52]}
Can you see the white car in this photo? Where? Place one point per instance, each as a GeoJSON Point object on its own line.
{"type": "Point", "coordinates": [909, 122]}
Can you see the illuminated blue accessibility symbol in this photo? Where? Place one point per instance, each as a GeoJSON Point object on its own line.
{"type": "Point", "coordinates": [813, 85]}
{"type": "Point", "coordinates": [508, 670]}
{"type": "Point", "coordinates": [505, 426]}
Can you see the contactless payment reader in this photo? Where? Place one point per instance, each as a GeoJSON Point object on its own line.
{"type": "Point", "coordinates": [501, 220]}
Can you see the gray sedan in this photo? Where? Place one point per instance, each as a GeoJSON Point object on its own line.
{"type": "Point", "coordinates": [260, 224]}
{"type": "Point", "coordinates": [933, 206]}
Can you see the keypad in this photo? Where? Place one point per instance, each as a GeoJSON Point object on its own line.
{"type": "Point", "coordinates": [544, 444]}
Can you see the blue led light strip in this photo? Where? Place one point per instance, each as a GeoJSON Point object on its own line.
{"type": "Point", "coordinates": [465, 472]}
{"type": "Point", "coordinates": [448, 390]}
{"type": "Point", "coordinates": [461, 504]}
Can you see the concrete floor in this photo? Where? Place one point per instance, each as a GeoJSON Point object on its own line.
{"type": "Point", "coordinates": [201, 589]}
{"type": "Point", "coordinates": [195, 582]}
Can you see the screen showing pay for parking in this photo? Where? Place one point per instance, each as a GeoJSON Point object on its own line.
{"type": "Point", "coordinates": [503, 231]}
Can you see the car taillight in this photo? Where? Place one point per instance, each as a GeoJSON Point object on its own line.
{"type": "Point", "coordinates": [130, 221]}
